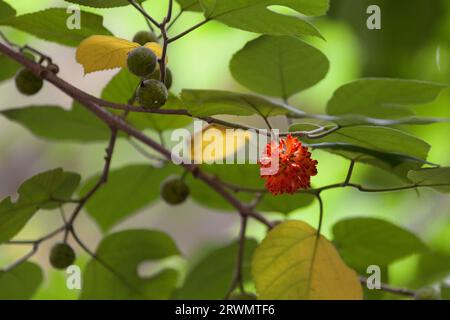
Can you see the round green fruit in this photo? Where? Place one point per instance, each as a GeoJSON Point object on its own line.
{"type": "Point", "coordinates": [62, 256]}
{"type": "Point", "coordinates": [142, 61]}
{"type": "Point", "coordinates": [27, 83]}
{"type": "Point", "coordinates": [143, 37]}
{"type": "Point", "coordinates": [427, 294]}
{"type": "Point", "coordinates": [156, 75]}
{"type": "Point", "coordinates": [152, 94]}
{"type": "Point", "coordinates": [174, 191]}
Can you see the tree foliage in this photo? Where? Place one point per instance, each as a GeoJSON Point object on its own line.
{"type": "Point", "coordinates": [365, 122]}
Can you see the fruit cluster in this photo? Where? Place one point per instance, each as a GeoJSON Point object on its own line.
{"type": "Point", "coordinates": [143, 62]}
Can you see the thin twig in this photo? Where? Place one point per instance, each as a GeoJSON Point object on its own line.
{"type": "Point", "coordinates": [104, 264]}
{"type": "Point", "coordinates": [144, 152]}
{"type": "Point", "coordinates": [238, 272]}
{"type": "Point", "coordinates": [42, 56]}
{"type": "Point", "coordinates": [23, 259]}
{"type": "Point", "coordinates": [143, 12]}
{"type": "Point", "coordinates": [349, 172]}
{"type": "Point", "coordinates": [181, 35]}
{"type": "Point", "coordinates": [35, 247]}
{"type": "Point", "coordinates": [174, 20]}
{"type": "Point", "coordinates": [117, 123]}
{"type": "Point", "coordinates": [391, 289]}
{"type": "Point", "coordinates": [169, 11]}
{"type": "Point", "coordinates": [103, 178]}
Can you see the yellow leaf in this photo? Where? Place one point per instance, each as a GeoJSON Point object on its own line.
{"type": "Point", "coordinates": [98, 52]}
{"type": "Point", "coordinates": [293, 263]}
{"type": "Point", "coordinates": [214, 143]}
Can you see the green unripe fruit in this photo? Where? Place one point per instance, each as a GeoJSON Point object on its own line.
{"type": "Point", "coordinates": [174, 191]}
{"type": "Point", "coordinates": [427, 294]}
{"type": "Point", "coordinates": [152, 94]}
{"type": "Point", "coordinates": [156, 75]}
{"type": "Point", "coordinates": [143, 37]}
{"type": "Point", "coordinates": [141, 61]}
{"type": "Point", "coordinates": [243, 296]}
{"type": "Point", "coordinates": [27, 83]}
{"type": "Point", "coordinates": [62, 256]}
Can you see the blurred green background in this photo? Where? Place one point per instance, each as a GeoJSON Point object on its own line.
{"type": "Point", "coordinates": [414, 34]}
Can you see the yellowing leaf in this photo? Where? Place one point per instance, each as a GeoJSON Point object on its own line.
{"type": "Point", "coordinates": [214, 143]}
{"type": "Point", "coordinates": [98, 52]}
{"type": "Point", "coordinates": [293, 263]}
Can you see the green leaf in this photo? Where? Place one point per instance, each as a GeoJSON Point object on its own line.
{"type": "Point", "coordinates": [307, 124]}
{"type": "Point", "coordinates": [255, 16]}
{"type": "Point", "coordinates": [211, 277]}
{"type": "Point", "coordinates": [13, 217]}
{"type": "Point", "coordinates": [35, 193]}
{"type": "Point", "coordinates": [190, 5]}
{"type": "Point", "coordinates": [55, 123]}
{"type": "Point", "coordinates": [103, 3]}
{"type": "Point", "coordinates": [6, 10]}
{"type": "Point", "coordinates": [285, 203]}
{"type": "Point", "coordinates": [355, 120]}
{"type": "Point", "coordinates": [278, 66]}
{"type": "Point", "coordinates": [122, 87]}
{"type": "Point", "coordinates": [21, 282]}
{"type": "Point", "coordinates": [292, 262]}
{"type": "Point", "coordinates": [114, 274]}
{"type": "Point", "coordinates": [369, 241]}
{"type": "Point", "coordinates": [387, 52]}
{"type": "Point", "coordinates": [50, 25]}
{"type": "Point", "coordinates": [128, 190]}
{"type": "Point", "coordinates": [437, 178]}
{"type": "Point", "coordinates": [382, 98]}
{"type": "Point", "coordinates": [203, 103]}
{"type": "Point", "coordinates": [432, 267]}
{"type": "Point", "coordinates": [386, 148]}
{"type": "Point", "coordinates": [244, 175]}
{"type": "Point", "coordinates": [8, 69]}
{"type": "Point", "coordinates": [445, 291]}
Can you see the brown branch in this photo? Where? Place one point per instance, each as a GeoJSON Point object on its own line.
{"type": "Point", "coordinates": [23, 259]}
{"type": "Point", "coordinates": [144, 152]}
{"type": "Point", "coordinates": [174, 20]}
{"type": "Point", "coordinates": [169, 11]}
{"type": "Point", "coordinates": [238, 272]}
{"type": "Point", "coordinates": [117, 122]}
{"type": "Point", "coordinates": [35, 247]}
{"type": "Point", "coordinates": [180, 112]}
{"type": "Point", "coordinates": [103, 178]}
{"type": "Point", "coordinates": [388, 288]}
{"type": "Point", "coordinates": [162, 61]}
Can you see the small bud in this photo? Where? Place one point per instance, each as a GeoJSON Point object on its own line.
{"type": "Point", "coordinates": [53, 68]}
